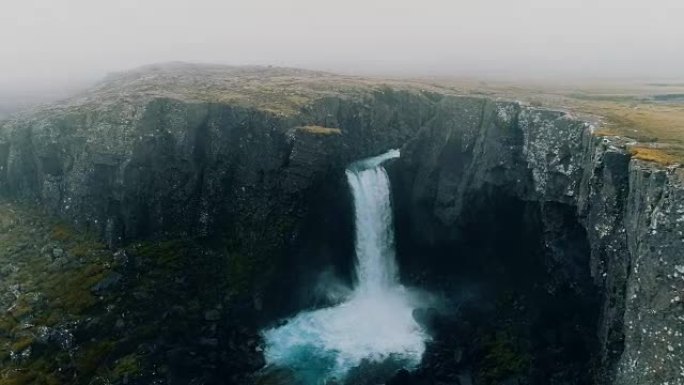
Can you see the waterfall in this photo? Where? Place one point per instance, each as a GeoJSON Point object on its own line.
{"type": "Point", "coordinates": [376, 322]}
{"type": "Point", "coordinates": [376, 268]}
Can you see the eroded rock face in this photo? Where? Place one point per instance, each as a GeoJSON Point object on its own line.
{"type": "Point", "coordinates": [631, 212]}
{"type": "Point", "coordinates": [132, 170]}
{"type": "Point", "coordinates": [135, 169]}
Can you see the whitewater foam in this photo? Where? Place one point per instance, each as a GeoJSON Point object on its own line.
{"type": "Point", "coordinates": [376, 322]}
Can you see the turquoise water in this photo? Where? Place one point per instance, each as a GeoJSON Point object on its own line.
{"type": "Point", "coordinates": [375, 322]}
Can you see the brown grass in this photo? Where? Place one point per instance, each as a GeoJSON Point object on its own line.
{"type": "Point", "coordinates": [62, 233]}
{"type": "Point", "coordinates": [643, 122]}
{"type": "Point", "coordinates": [648, 124]}
{"type": "Point", "coordinates": [653, 155]}
{"type": "Point", "coordinates": [605, 132]}
{"type": "Point", "coordinates": [320, 130]}
{"type": "Point", "coordinates": [625, 108]}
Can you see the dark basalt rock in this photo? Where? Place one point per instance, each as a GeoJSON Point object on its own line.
{"type": "Point", "coordinates": [609, 225]}
{"type": "Point", "coordinates": [581, 220]}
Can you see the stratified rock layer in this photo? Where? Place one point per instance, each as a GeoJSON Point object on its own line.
{"type": "Point", "coordinates": [132, 167]}
{"type": "Point", "coordinates": [633, 213]}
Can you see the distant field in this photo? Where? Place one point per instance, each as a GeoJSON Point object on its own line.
{"type": "Point", "coordinates": [651, 113]}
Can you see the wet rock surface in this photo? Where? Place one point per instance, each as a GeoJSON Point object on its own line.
{"type": "Point", "coordinates": [215, 218]}
{"type": "Point", "coordinates": [132, 316]}
{"type": "Point", "coordinates": [588, 191]}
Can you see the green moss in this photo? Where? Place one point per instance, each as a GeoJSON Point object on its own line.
{"type": "Point", "coordinates": [241, 270]}
{"type": "Point", "coordinates": [4, 352]}
{"type": "Point", "coordinates": [20, 309]}
{"type": "Point", "coordinates": [49, 318]}
{"type": "Point", "coordinates": [18, 377]}
{"type": "Point", "coordinates": [36, 373]}
{"type": "Point", "coordinates": [248, 273]}
{"type": "Point", "coordinates": [94, 270]}
{"type": "Point", "coordinates": [70, 291]}
{"type": "Point", "coordinates": [7, 324]}
{"type": "Point", "coordinates": [126, 365]}
{"type": "Point", "coordinates": [92, 357]}
{"type": "Point", "coordinates": [76, 302]}
{"type": "Point", "coordinates": [62, 233]}
{"type": "Point", "coordinates": [167, 254]}
{"type": "Point", "coordinates": [21, 344]}
{"type": "Point", "coordinates": [503, 358]}
{"type": "Point", "coordinates": [166, 271]}
{"type": "Point", "coordinates": [85, 248]}
{"type": "Point", "coordinates": [49, 296]}
{"type": "Point", "coordinates": [21, 376]}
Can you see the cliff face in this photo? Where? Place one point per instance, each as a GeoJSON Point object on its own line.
{"type": "Point", "coordinates": [631, 212]}
{"type": "Point", "coordinates": [164, 166]}
{"type": "Point", "coordinates": [132, 170]}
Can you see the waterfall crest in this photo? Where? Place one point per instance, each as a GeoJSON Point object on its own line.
{"type": "Point", "coordinates": [376, 322]}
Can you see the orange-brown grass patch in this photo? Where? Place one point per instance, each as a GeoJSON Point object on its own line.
{"type": "Point", "coordinates": [653, 155]}
{"type": "Point", "coordinates": [320, 130]}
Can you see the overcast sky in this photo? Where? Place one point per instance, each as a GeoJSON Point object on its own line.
{"type": "Point", "coordinates": [61, 41]}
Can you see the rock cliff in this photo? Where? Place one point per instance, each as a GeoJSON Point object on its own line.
{"type": "Point", "coordinates": [631, 212]}
{"type": "Point", "coordinates": [133, 161]}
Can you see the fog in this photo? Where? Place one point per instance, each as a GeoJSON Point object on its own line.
{"type": "Point", "coordinates": [60, 44]}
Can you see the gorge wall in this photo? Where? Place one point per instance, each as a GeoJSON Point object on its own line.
{"type": "Point", "coordinates": [630, 211]}
{"type": "Point", "coordinates": [258, 180]}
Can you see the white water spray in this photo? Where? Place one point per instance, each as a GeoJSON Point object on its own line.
{"type": "Point", "coordinates": [376, 322]}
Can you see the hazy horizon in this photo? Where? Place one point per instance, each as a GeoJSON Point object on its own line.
{"type": "Point", "coordinates": [62, 44]}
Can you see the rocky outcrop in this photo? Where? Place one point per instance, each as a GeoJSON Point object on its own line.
{"type": "Point", "coordinates": [4, 154]}
{"type": "Point", "coordinates": [130, 167]}
{"type": "Point", "coordinates": [157, 167]}
{"type": "Point", "coordinates": [631, 212]}
{"type": "Point", "coordinates": [209, 210]}
{"type": "Point", "coordinates": [170, 166]}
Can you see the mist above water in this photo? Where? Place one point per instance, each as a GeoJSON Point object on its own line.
{"type": "Point", "coordinates": [375, 323]}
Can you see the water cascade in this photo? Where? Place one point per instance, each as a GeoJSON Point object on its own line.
{"type": "Point", "coordinates": [375, 323]}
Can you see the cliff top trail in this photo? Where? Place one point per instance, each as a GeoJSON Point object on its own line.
{"type": "Point", "coordinates": [650, 113]}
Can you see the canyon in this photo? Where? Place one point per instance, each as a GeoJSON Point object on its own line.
{"type": "Point", "coordinates": [554, 255]}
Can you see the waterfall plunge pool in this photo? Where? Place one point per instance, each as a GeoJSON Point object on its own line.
{"type": "Point", "coordinates": [376, 322]}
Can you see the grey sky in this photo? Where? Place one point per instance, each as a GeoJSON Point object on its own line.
{"type": "Point", "coordinates": [60, 41]}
